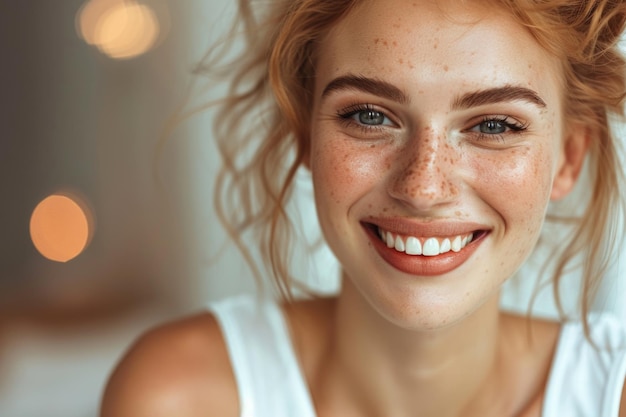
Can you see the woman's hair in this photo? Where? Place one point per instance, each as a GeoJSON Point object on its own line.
{"type": "Point", "coordinates": [262, 126]}
{"type": "Point", "coordinates": [584, 35]}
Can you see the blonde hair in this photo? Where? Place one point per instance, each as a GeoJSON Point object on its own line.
{"type": "Point", "coordinates": [262, 126]}
{"type": "Point", "coordinates": [585, 36]}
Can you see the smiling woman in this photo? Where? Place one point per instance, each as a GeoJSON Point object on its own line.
{"type": "Point", "coordinates": [436, 134]}
{"type": "Point", "coordinates": [471, 150]}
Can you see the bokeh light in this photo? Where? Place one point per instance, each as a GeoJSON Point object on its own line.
{"type": "Point", "coordinates": [88, 16]}
{"type": "Point", "coordinates": [121, 29]}
{"type": "Point", "coordinates": [61, 227]}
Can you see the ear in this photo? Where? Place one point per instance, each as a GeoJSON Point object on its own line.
{"type": "Point", "coordinates": [571, 160]}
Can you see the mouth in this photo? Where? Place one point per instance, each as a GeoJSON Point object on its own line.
{"type": "Point", "coordinates": [434, 252]}
{"type": "Point", "coordinates": [426, 246]}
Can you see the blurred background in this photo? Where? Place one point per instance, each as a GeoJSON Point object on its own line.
{"type": "Point", "coordinates": [106, 229]}
{"type": "Point", "coordinates": [100, 225]}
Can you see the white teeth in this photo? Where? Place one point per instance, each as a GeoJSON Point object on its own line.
{"type": "Point", "coordinates": [413, 246]}
{"type": "Point", "coordinates": [390, 241]}
{"type": "Point", "coordinates": [457, 244]}
{"type": "Point", "coordinates": [431, 247]}
{"type": "Point", "coordinates": [399, 245]}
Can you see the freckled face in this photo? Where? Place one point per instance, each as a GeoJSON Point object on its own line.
{"type": "Point", "coordinates": [433, 121]}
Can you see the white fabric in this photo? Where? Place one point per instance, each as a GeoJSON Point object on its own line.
{"type": "Point", "coordinates": [584, 381]}
{"type": "Point", "coordinates": [268, 375]}
{"type": "Point", "coordinates": [587, 381]}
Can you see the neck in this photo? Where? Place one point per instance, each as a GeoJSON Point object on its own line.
{"type": "Point", "coordinates": [396, 372]}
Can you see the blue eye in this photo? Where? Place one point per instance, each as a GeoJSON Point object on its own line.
{"type": "Point", "coordinates": [497, 126]}
{"type": "Point", "coordinates": [365, 116]}
{"type": "Point", "coordinates": [493, 127]}
{"type": "Point", "coordinates": [370, 117]}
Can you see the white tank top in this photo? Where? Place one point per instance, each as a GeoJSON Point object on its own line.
{"type": "Point", "coordinates": [583, 382]}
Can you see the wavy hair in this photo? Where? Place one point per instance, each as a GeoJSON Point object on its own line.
{"type": "Point", "coordinates": [584, 35]}
{"type": "Point", "coordinates": [262, 126]}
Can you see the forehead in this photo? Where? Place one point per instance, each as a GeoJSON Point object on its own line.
{"type": "Point", "coordinates": [429, 43]}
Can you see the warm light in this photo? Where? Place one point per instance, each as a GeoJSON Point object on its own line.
{"type": "Point", "coordinates": [119, 28]}
{"type": "Point", "coordinates": [60, 228]}
{"type": "Point", "coordinates": [88, 16]}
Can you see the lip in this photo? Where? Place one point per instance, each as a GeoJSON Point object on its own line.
{"type": "Point", "coordinates": [424, 265]}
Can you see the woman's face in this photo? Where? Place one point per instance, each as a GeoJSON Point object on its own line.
{"type": "Point", "coordinates": [436, 141]}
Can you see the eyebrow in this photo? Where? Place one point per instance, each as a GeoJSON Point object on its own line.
{"type": "Point", "coordinates": [497, 95]}
{"type": "Point", "coordinates": [477, 98]}
{"type": "Point", "coordinates": [369, 85]}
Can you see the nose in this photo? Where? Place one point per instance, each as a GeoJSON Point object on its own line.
{"type": "Point", "coordinates": [424, 174]}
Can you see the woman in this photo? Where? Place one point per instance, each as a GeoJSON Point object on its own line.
{"type": "Point", "coordinates": [436, 133]}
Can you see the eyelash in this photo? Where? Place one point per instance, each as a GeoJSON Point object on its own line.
{"type": "Point", "coordinates": [346, 115]}
{"type": "Point", "coordinates": [513, 126]}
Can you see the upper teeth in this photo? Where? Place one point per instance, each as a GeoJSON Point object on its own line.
{"type": "Point", "coordinates": [429, 246]}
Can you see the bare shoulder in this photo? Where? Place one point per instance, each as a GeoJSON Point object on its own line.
{"type": "Point", "coordinates": [179, 369]}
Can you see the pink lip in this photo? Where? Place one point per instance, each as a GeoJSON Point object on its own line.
{"type": "Point", "coordinates": [428, 229]}
{"type": "Point", "coordinates": [424, 265]}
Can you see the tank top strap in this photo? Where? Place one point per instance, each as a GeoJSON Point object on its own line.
{"type": "Point", "coordinates": [270, 382]}
{"type": "Point", "coordinates": [587, 380]}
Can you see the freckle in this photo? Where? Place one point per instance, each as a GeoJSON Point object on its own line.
{"type": "Point", "coordinates": [385, 43]}
{"type": "Point", "coordinates": [457, 213]}
{"type": "Point", "coordinates": [385, 209]}
{"type": "Point", "coordinates": [373, 145]}
{"type": "Point", "coordinates": [376, 40]}
{"type": "Point", "coordinates": [445, 68]}
{"type": "Point", "coordinates": [401, 61]}
{"type": "Point", "coordinates": [436, 45]}
{"type": "Point", "coordinates": [395, 43]}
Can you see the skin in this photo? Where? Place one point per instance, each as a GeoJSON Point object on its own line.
{"type": "Point", "coordinates": [424, 165]}
{"type": "Point", "coordinates": [434, 344]}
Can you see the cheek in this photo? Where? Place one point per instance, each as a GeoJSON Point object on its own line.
{"type": "Point", "coordinates": [344, 170]}
{"type": "Point", "coordinates": [517, 184]}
